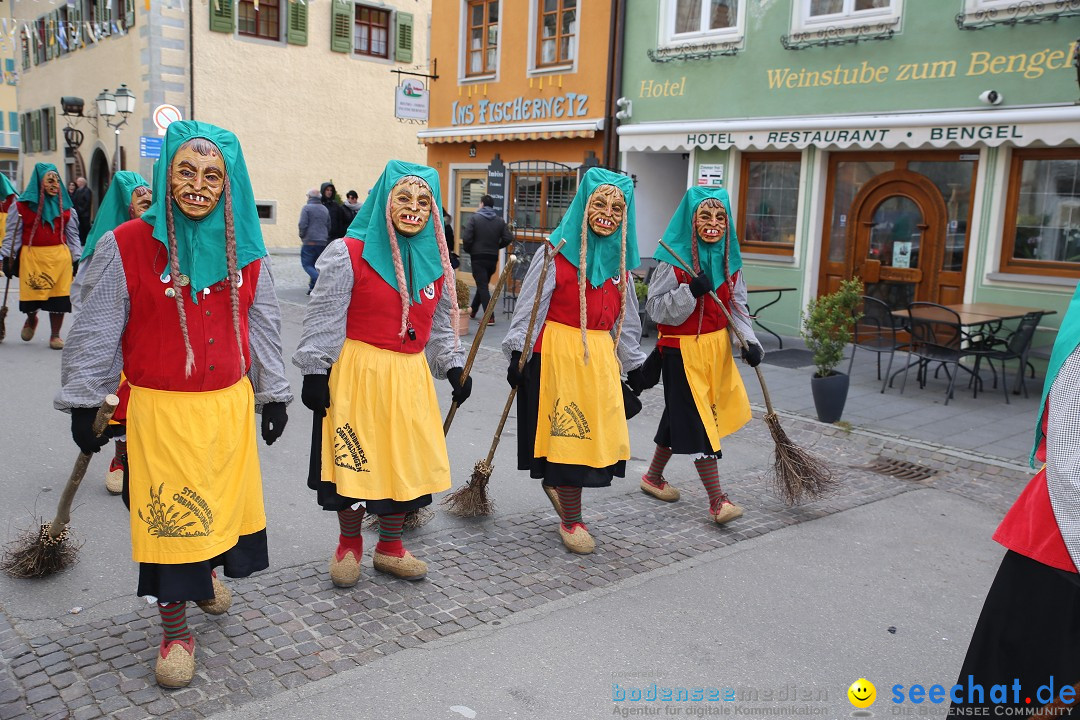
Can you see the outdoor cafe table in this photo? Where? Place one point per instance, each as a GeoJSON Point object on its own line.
{"type": "Point", "coordinates": [752, 289]}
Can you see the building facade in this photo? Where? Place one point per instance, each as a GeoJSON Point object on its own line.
{"type": "Point", "coordinates": [306, 86]}
{"type": "Point", "coordinates": [519, 106]}
{"type": "Point", "coordinates": [930, 148]}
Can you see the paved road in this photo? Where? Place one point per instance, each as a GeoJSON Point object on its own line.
{"type": "Point", "coordinates": [290, 628]}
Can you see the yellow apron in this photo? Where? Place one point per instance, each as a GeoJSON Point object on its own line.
{"type": "Point", "coordinates": [44, 272]}
{"type": "Point", "coordinates": [195, 483]}
{"type": "Point", "coordinates": [715, 382]}
{"type": "Point", "coordinates": [581, 419]}
{"type": "Point", "coordinates": [382, 436]}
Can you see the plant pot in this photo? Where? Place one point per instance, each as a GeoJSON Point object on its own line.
{"type": "Point", "coordinates": [830, 395]}
{"type": "Point", "coordinates": [459, 320]}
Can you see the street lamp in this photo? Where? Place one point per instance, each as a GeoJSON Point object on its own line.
{"type": "Point", "coordinates": [108, 105]}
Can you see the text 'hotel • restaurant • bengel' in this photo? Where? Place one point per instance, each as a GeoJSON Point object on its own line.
{"type": "Point", "coordinates": [930, 148]}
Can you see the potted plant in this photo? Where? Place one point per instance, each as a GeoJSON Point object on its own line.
{"type": "Point", "coordinates": [827, 323]}
{"type": "Point", "coordinates": [459, 317]}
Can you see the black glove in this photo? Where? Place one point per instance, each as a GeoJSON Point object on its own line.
{"type": "Point", "coordinates": [462, 390]}
{"type": "Point", "coordinates": [752, 354]}
{"type": "Point", "coordinates": [74, 268]}
{"type": "Point", "coordinates": [512, 375]}
{"type": "Point", "coordinates": [82, 430]}
{"type": "Point", "coordinates": [631, 404]}
{"type": "Point", "coordinates": [315, 394]}
{"type": "Point", "coordinates": [9, 268]}
{"type": "Point", "coordinates": [651, 369]}
{"type": "Point", "coordinates": [274, 419]}
{"type": "Point", "coordinates": [701, 285]}
{"type": "Point", "coordinates": [636, 380]}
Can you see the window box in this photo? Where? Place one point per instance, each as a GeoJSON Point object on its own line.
{"type": "Point", "coordinates": [979, 14]}
{"type": "Point", "coordinates": [698, 29]}
{"type": "Point", "coordinates": [837, 22]}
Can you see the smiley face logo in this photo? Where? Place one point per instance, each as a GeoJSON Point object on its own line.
{"type": "Point", "coordinates": [862, 693]}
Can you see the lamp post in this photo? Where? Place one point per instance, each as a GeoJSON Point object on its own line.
{"type": "Point", "coordinates": [108, 105]}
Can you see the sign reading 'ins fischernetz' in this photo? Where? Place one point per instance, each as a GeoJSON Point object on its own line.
{"type": "Point", "coordinates": [520, 109]}
{"type": "Point", "coordinates": [411, 101]}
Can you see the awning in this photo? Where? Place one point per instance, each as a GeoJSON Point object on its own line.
{"type": "Point", "coordinates": [1048, 126]}
{"type": "Point", "coordinates": [482, 133]}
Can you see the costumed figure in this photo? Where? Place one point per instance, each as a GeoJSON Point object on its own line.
{"type": "Point", "coordinates": [181, 301]}
{"type": "Point", "coordinates": [381, 303]}
{"type": "Point", "coordinates": [41, 247]}
{"type": "Point", "coordinates": [128, 197]}
{"type": "Point", "coordinates": [8, 194]}
{"type": "Point", "coordinates": [1028, 634]}
{"type": "Point", "coordinates": [704, 396]}
{"type": "Point", "coordinates": [571, 412]}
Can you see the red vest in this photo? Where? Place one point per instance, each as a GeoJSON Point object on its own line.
{"type": "Point", "coordinates": [601, 303]}
{"type": "Point", "coordinates": [375, 309]}
{"type": "Point", "coordinates": [153, 345]}
{"type": "Point", "coordinates": [713, 320]}
{"type": "Point", "coordinates": [46, 234]}
{"type": "Point", "coordinates": [1030, 527]}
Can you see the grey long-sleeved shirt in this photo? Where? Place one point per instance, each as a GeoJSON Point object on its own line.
{"type": "Point", "coordinates": [629, 350]}
{"type": "Point", "coordinates": [13, 234]}
{"type": "Point", "coordinates": [92, 361]}
{"type": "Point", "coordinates": [671, 302]}
{"type": "Point", "coordinates": [327, 316]}
{"type": "Point", "coordinates": [1063, 453]}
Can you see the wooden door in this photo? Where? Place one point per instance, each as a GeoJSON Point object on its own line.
{"type": "Point", "coordinates": [470, 186]}
{"type": "Point", "coordinates": [896, 242]}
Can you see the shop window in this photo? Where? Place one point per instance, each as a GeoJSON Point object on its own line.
{"type": "Point", "coordinates": [1042, 214]}
{"type": "Point", "coordinates": [371, 32]}
{"type": "Point", "coordinates": [261, 22]}
{"type": "Point", "coordinates": [481, 37]}
{"type": "Point", "coordinates": [768, 202]}
{"type": "Point", "coordinates": [541, 200]}
{"type": "Point", "coordinates": [556, 36]}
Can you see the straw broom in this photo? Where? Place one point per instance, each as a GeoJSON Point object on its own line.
{"type": "Point", "coordinates": [797, 475]}
{"type": "Point", "coordinates": [51, 549]}
{"type": "Point", "coordinates": [418, 518]}
{"type": "Point", "coordinates": [472, 500]}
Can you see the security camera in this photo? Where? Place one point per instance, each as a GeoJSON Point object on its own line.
{"type": "Point", "coordinates": [991, 97]}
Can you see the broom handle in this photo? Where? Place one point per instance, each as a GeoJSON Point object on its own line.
{"type": "Point", "coordinates": [731, 324]}
{"type": "Point", "coordinates": [7, 286]}
{"type": "Point", "coordinates": [525, 347]}
{"type": "Point", "coordinates": [507, 268]}
{"type": "Point", "coordinates": [63, 509]}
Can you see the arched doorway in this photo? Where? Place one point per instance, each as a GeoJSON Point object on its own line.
{"type": "Point", "coordinates": [99, 175]}
{"type": "Point", "coordinates": [896, 242]}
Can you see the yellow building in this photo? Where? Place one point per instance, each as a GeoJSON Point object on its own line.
{"type": "Point", "coordinates": [307, 87]}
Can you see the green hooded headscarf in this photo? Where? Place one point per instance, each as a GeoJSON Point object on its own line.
{"type": "Point", "coordinates": [115, 208]}
{"type": "Point", "coordinates": [601, 253]}
{"type": "Point", "coordinates": [1068, 338]}
{"type": "Point", "coordinates": [6, 188]}
{"type": "Point", "coordinates": [200, 244]}
{"type": "Point", "coordinates": [30, 195]}
{"type": "Point", "coordinates": [680, 232]}
{"type": "Point", "coordinates": [420, 253]}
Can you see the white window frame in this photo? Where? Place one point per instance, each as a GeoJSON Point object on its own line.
{"type": "Point", "coordinates": [463, 47]}
{"type": "Point", "coordinates": [283, 26]}
{"type": "Point", "coordinates": [971, 7]}
{"type": "Point", "coordinates": [534, 70]}
{"type": "Point", "coordinates": [801, 20]}
{"type": "Point", "coordinates": [669, 38]}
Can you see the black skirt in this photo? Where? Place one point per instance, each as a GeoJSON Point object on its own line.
{"type": "Point", "coordinates": [1029, 630]}
{"type": "Point", "coordinates": [191, 581]}
{"type": "Point", "coordinates": [327, 494]}
{"type": "Point", "coordinates": [554, 474]}
{"type": "Point", "coordinates": [60, 304]}
{"type": "Point", "coordinates": [680, 428]}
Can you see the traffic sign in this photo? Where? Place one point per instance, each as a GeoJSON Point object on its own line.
{"type": "Point", "coordinates": [150, 147]}
{"type": "Point", "coordinates": [164, 115]}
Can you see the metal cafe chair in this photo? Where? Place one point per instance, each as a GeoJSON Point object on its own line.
{"type": "Point", "coordinates": [936, 337]}
{"type": "Point", "coordinates": [1013, 347]}
{"type": "Point", "coordinates": [875, 331]}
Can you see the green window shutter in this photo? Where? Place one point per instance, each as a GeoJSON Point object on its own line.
{"type": "Point", "coordinates": [35, 131]}
{"type": "Point", "coordinates": [51, 127]}
{"type": "Point", "coordinates": [222, 18]}
{"type": "Point", "coordinates": [297, 33]}
{"type": "Point", "coordinates": [403, 46]}
{"type": "Point", "coordinates": [23, 128]}
{"type": "Point", "coordinates": [129, 13]}
{"type": "Point", "coordinates": [50, 41]}
{"type": "Point", "coordinates": [341, 26]}
{"type": "Point", "coordinates": [75, 28]}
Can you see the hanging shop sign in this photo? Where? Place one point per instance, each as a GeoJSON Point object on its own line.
{"type": "Point", "coordinates": [411, 101]}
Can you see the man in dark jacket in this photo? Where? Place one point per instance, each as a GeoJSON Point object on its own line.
{"type": "Point", "coordinates": [314, 234]}
{"type": "Point", "coordinates": [339, 216]}
{"type": "Point", "coordinates": [82, 199]}
{"type": "Point", "coordinates": [483, 236]}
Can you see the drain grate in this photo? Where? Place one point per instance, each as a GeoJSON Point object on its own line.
{"type": "Point", "coordinates": [900, 469]}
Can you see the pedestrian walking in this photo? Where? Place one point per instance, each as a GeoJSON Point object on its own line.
{"type": "Point", "coordinates": [128, 197]}
{"type": "Point", "coordinates": [704, 396]}
{"type": "Point", "coordinates": [314, 231]}
{"type": "Point", "coordinates": [377, 443]}
{"type": "Point", "coordinates": [83, 198]}
{"type": "Point", "coordinates": [41, 246]}
{"type": "Point", "coordinates": [482, 237]}
{"type": "Point", "coordinates": [448, 233]}
{"type": "Point", "coordinates": [193, 484]}
{"type": "Point", "coordinates": [1027, 632]}
{"type": "Point", "coordinates": [339, 218]}
{"type": "Point", "coordinates": [571, 411]}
